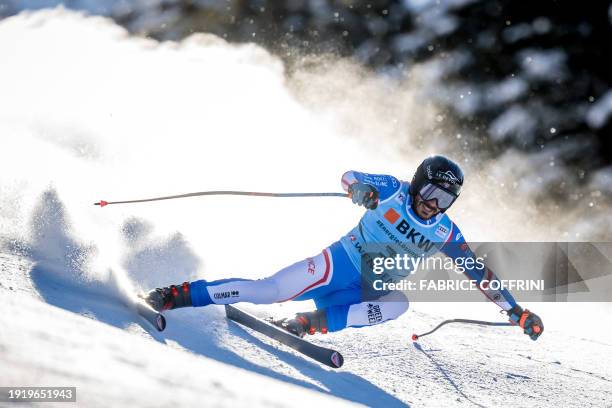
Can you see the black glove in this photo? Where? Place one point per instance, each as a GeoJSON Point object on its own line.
{"type": "Point", "coordinates": [530, 322]}
{"type": "Point", "coordinates": [364, 194]}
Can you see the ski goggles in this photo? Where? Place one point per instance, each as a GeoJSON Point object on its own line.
{"type": "Point", "coordinates": [444, 198]}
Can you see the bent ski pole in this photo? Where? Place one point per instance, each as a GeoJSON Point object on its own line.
{"type": "Point", "coordinates": [103, 203]}
{"type": "Point", "coordinates": [415, 336]}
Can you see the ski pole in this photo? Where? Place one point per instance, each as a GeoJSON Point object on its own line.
{"type": "Point", "coordinates": [415, 336]}
{"type": "Point", "coordinates": [103, 203]}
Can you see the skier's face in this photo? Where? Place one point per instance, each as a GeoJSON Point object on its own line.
{"type": "Point", "coordinates": [425, 209]}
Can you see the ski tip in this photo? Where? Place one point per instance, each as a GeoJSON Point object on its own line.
{"type": "Point", "coordinates": [415, 337]}
{"type": "Point", "coordinates": [102, 203]}
{"type": "Point", "coordinates": [337, 359]}
{"type": "Point", "coordinates": [160, 322]}
{"type": "Point", "coordinates": [155, 318]}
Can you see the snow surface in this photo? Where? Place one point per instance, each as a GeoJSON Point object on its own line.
{"type": "Point", "coordinates": [88, 113]}
{"type": "Point", "coordinates": [71, 333]}
{"type": "Point", "coordinates": [99, 348]}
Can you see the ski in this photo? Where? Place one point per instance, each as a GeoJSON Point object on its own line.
{"type": "Point", "coordinates": [329, 357]}
{"type": "Point", "coordinates": [151, 315]}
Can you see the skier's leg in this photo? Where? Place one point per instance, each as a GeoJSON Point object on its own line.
{"type": "Point", "coordinates": [331, 315]}
{"type": "Point", "coordinates": [233, 290]}
{"type": "Point", "coordinates": [286, 284]}
{"type": "Point", "coordinates": [297, 280]}
{"type": "Point", "coordinates": [387, 307]}
{"type": "Point", "coordinates": [340, 288]}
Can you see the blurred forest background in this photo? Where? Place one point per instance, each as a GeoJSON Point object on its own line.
{"type": "Point", "coordinates": [534, 76]}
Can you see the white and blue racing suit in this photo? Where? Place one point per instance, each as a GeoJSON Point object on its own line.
{"type": "Point", "coordinates": [332, 279]}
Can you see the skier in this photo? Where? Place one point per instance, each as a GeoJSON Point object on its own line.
{"type": "Point", "coordinates": [409, 216]}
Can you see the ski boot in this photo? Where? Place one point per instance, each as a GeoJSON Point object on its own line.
{"type": "Point", "coordinates": [302, 323]}
{"type": "Point", "coordinates": [170, 297]}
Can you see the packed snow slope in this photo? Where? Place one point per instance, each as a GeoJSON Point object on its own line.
{"type": "Point", "coordinates": [88, 113]}
{"type": "Point", "coordinates": [49, 346]}
{"type": "Point", "coordinates": [58, 332]}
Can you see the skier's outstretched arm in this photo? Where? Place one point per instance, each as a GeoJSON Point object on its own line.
{"type": "Point", "coordinates": [456, 247]}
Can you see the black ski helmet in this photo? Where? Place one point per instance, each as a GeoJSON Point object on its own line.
{"type": "Point", "coordinates": [439, 171]}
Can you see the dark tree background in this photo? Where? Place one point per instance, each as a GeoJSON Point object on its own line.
{"type": "Point", "coordinates": [534, 75]}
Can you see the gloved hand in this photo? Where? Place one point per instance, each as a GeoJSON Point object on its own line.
{"type": "Point", "coordinates": [364, 194]}
{"type": "Point", "coordinates": [530, 322]}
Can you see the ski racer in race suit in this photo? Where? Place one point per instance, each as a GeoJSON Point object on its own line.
{"type": "Point", "coordinates": [410, 217]}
